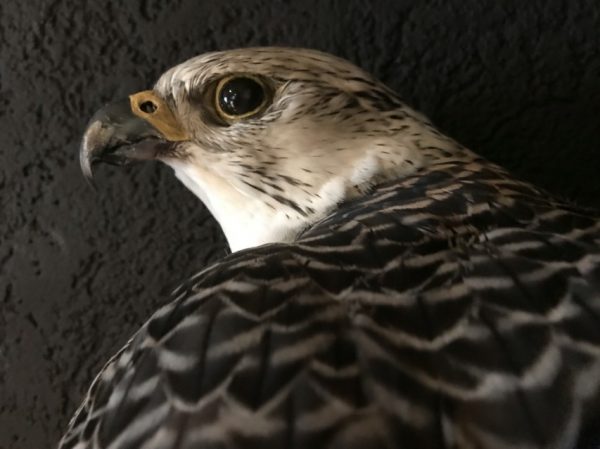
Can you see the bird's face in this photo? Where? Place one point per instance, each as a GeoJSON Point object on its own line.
{"type": "Point", "coordinates": [270, 139]}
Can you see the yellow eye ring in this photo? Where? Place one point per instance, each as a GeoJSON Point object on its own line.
{"type": "Point", "coordinates": [240, 96]}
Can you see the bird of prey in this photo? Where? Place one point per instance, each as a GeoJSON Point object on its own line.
{"type": "Point", "coordinates": [388, 288]}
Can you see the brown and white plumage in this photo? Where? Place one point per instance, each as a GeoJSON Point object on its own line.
{"type": "Point", "coordinates": [412, 295]}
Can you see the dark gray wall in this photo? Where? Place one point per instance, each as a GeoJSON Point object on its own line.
{"type": "Point", "coordinates": [517, 81]}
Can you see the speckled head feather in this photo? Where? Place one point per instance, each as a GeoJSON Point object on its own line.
{"type": "Point", "coordinates": [328, 132]}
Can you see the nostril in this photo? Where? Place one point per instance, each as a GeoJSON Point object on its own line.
{"type": "Point", "coordinates": [148, 107]}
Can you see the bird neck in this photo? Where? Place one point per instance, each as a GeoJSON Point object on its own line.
{"type": "Point", "coordinates": [246, 220]}
{"type": "Point", "coordinates": [253, 210]}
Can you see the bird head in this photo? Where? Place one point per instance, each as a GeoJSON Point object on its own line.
{"type": "Point", "coordinates": [270, 139]}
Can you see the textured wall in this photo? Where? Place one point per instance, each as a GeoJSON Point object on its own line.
{"type": "Point", "coordinates": [517, 81]}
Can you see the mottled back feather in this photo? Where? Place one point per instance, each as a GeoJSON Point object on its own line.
{"type": "Point", "coordinates": [454, 308]}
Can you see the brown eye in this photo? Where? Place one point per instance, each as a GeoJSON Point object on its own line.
{"type": "Point", "coordinates": [239, 97]}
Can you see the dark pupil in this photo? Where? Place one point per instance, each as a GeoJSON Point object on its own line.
{"type": "Point", "coordinates": [240, 96]}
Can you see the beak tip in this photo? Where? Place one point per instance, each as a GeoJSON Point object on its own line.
{"type": "Point", "coordinates": [86, 166]}
{"type": "Point", "coordinates": [86, 170]}
{"type": "Point", "coordinates": [86, 154]}
{"type": "Point", "coordinates": [117, 136]}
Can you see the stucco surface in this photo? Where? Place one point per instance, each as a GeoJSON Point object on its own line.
{"type": "Point", "coordinates": [517, 81]}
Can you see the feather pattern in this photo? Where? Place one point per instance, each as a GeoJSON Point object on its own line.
{"type": "Point", "coordinates": [455, 307]}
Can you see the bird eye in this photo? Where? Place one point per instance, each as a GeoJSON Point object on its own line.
{"type": "Point", "coordinates": [239, 97]}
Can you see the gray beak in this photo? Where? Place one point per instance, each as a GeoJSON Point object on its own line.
{"type": "Point", "coordinates": [116, 136]}
{"type": "Point", "coordinates": [139, 128]}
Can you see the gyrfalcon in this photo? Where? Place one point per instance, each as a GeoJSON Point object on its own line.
{"type": "Point", "coordinates": [388, 288]}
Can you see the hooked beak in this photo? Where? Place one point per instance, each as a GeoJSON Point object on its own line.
{"type": "Point", "coordinates": [141, 127]}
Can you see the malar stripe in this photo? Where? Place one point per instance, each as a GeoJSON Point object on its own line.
{"type": "Point", "coordinates": [287, 202]}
